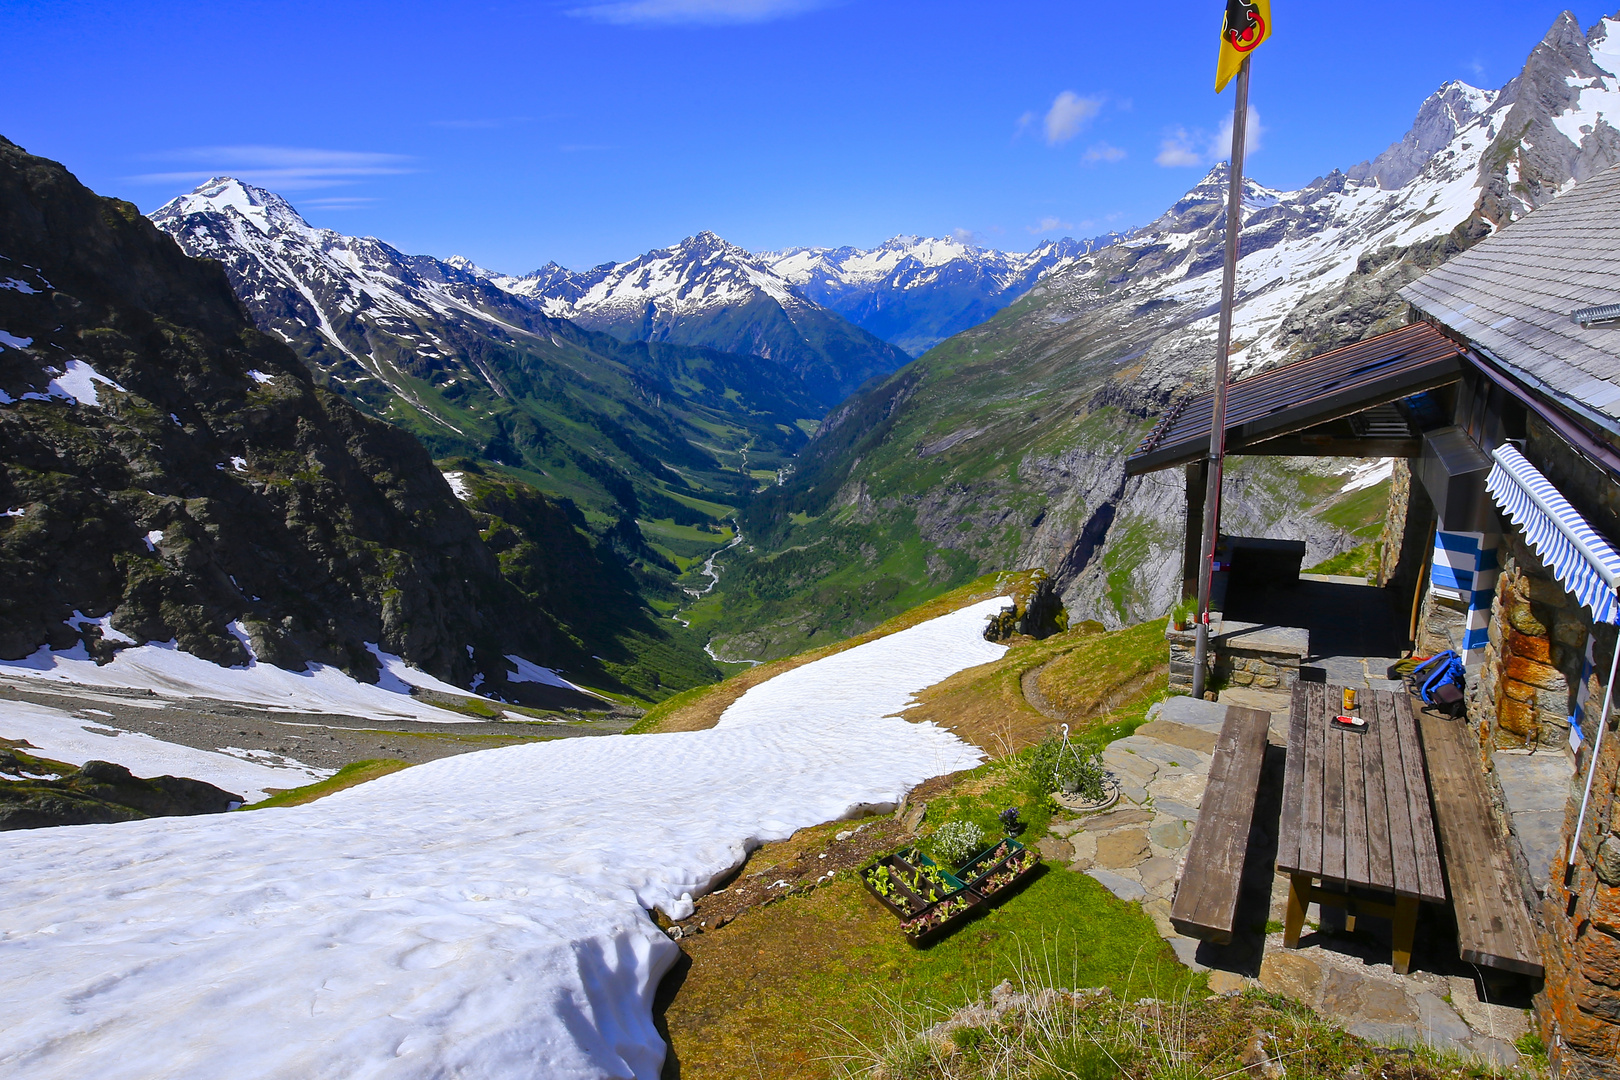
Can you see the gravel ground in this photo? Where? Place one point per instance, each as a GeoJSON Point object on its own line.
{"type": "Point", "coordinates": [320, 739]}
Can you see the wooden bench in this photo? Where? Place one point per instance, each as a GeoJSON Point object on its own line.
{"type": "Point", "coordinates": [1207, 894]}
{"type": "Point", "coordinates": [1494, 927]}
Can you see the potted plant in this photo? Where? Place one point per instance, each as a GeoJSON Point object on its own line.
{"type": "Point", "coordinates": [1181, 616]}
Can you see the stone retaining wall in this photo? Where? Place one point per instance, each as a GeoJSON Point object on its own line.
{"type": "Point", "coordinates": [1239, 656]}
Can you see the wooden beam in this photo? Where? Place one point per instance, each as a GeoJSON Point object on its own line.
{"type": "Point", "coordinates": [1319, 446]}
{"type": "Point", "coordinates": [1192, 554]}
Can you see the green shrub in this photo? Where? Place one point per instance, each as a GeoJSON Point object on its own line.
{"type": "Point", "coordinates": [1075, 769]}
{"type": "Point", "coordinates": [955, 842]}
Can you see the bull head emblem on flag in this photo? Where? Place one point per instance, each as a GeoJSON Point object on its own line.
{"type": "Point", "coordinates": [1245, 26]}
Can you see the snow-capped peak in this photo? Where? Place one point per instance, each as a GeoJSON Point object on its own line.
{"type": "Point", "coordinates": [265, 210]}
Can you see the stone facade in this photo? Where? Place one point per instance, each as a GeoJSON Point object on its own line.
{"type": "Point", "coordinates": [1520, 697]}
{"type": "Point", "coordinates": [1534, 659]}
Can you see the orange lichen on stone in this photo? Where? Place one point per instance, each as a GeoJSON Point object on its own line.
{"type": "Point", "coordinates": [1531, 648]}
{"type": "Point", "coordinates": [1539, 675]}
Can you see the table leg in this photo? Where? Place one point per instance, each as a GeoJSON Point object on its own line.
{"type": "Point", "coordinates": [1299, 892]}
{"type": "Point", "coordinates": [1406, 909]}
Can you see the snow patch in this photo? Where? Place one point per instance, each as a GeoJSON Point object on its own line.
{"type": "Point", "coordinates": [12, 341]}
{"type": "Point", "coordinates": [19, 286]}
{"type": "Point", "coordinates": [534, 673]}
{"type": "Point", "coordinates": [399, 676]}
{"type": "Point", "coordinates": [78, 383]}
{"type": "Point", "coordinates": [63, 737]}
{"type": "Point", "coordinates": [470, 916]}
{"type": "Point", "coordinates": [152, 539]}
{"type": "Point", "coordinates": [458, 484]}
{"type": "Point", "coordinates": [1366, 474]}
{"type": "Point", "coordinates": [170, 673]}
{"type": "Point", "coordinates": [260, 377]}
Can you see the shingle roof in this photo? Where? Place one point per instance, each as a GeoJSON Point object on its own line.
{"type": "Point", "coordinates": [1302, 394]}
{"type": "Point", "coordinates": [1511, 295]}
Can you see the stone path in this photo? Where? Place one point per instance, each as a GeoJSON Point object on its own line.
{"type": "Point", "coordinates": [1135, 850]}
{"type": "Point", "coordinates": [1536, 787]}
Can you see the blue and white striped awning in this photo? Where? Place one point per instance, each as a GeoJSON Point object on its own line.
{"type": "Point", "coordinates": [1583, 561]}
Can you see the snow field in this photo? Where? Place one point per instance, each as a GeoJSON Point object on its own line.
{"type": "Point", "coordinates": [476, 916]}
{"type": "Point", "coordinates": [62, 736]}
{"type": "Point", "coordinates": [162, 668]}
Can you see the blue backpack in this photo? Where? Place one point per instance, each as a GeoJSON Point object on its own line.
{"type": "Point", "coordinates": [1439, 679]}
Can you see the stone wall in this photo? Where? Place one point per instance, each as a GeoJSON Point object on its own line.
{"type": "Point", "coordinates": [1183, 651]}
{"type": "Point", "coordinates": [1534, 658]}
{"type": "Point", "coordinates": [1403, 545]}
{"type": "Point", "coordinates": [1259, 669]}
{"type": "Point", "coordinates": [1521, 697]}
{"type": "Point", "coordinates": [1258, 661]}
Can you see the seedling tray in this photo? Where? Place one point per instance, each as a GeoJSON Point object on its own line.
{"type": "Point", "coordinates": [913, 899]}
{"type": "Point", "coordinates": [998, 867]}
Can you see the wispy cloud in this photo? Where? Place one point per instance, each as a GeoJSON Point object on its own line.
{"type": "Point", "coordinates": [480, 123]}
{"type": "Point", "coordinates": [336, 202]}
{"type": "Point", "coordinates": [1069, 115]}
{"type": "Point", "coordinates": [281, 168]}
{"type": "Point", "coordinates": [1048, 225]}
{"type": "Point", "coordinates": [711, 12]}
{"type": "Point", "coordinates": [1103, 152]}
{"type": "Point", "coordinates": [1181, 148]}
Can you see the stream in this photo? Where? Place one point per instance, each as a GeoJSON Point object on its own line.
{"type": "Point", "coordinates": [712, 572]}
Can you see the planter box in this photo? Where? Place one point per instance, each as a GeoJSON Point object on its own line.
{"type": "Point", "coordinates": [998, 868]}
{"type": "Point", "coordinates": [988, 874]}
{"type": "Point", "coordinates": [925, 909]}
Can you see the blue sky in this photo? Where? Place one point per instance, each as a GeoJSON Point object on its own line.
{"type": "Point", "coordinates": [587, 130]}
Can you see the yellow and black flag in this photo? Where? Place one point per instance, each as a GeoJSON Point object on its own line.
{"type": "Point", "coordinates": [1248, 23]}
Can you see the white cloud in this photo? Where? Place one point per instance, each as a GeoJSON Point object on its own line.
{"type": "Point", "coordinates": [1181, 148]}
{"type": "Point", "coordinates": [281, 168]}
{"type": "Point", "coordinates": [626, 12]}
{"type": "Point", "coordinates": [1068, 115]}
{"type": "Point", "coordinates": [1176, 151]}
{"type": "Point", "coordinates": [1220, 147]}
{"type": "Point", "coordinates": [1048, 225]}
{"type": "Point", "coordinates": [965, 236]}
{"type": "Point", "coordinates": [1103, 152]}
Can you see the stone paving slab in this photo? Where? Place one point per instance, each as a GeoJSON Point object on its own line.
{"type": "Point", "coordinates": [1199, 739]}
{"type": "Point", "coordinates": [1209, 715]}
{"type": "Point", "coordinates": [1536, 788]}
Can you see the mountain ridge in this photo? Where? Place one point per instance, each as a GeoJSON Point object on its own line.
{"type": "Point", "coordinates": [1004, 446]}
{"type": "Point", "coordinates": [707, 291]}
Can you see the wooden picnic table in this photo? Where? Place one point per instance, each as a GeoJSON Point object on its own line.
{"type": "Point", "coordinates": [1356, 815]}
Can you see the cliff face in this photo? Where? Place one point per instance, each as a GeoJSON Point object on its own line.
{"type": "Point", "coordinates": [164, 463]}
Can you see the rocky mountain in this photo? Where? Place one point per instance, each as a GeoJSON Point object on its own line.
{"type": "Point", "coordinates": [1004, 446]}
{"type": "Point", "coordinates": [626, 430]}
{"type": "Point", "coordinates": [705, 291]}
{"type": "Point", "coordinates": [170, 473]}
{"type": "Point", "coordinates": [918, 291]}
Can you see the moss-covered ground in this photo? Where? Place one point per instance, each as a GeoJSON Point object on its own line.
{"type": "Point", "coordinates": [351, 775]}
{"type": "Point", "coordinates": [785, 990]}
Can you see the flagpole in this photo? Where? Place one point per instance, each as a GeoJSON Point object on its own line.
{"type": "Point", "coordinates": [1223, 344]}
